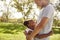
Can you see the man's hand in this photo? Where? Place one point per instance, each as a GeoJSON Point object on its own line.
{"type": "Point", "coordinates": [29, 37]}
{"type": "Point", "coordinates": [29, 32]}
{"type": "Point", "coordinates": [40, 36]}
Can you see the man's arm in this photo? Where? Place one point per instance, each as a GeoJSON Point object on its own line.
{"type": "Point", "coordinates": [40, 26]}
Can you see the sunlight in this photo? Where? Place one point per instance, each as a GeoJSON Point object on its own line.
{"type": "Point", "coordinates": [8, 1]}
{"type": "Point", "coordinates": [16, 15]}
{"type": "Point", "coordinates": [14, 12]}
{"type": "Point", "coordinates": [0, 14]}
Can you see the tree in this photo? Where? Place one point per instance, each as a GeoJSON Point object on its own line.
{"type": "Point", "coordinates": [6, 13]}
{"type": "Point", "coordinates": [58, 6]}
{"type": "Point", "coordinates": [25, 7]}
{"type": "Point", "coordinates": [56, 20]}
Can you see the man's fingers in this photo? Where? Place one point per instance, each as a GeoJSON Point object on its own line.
{"type": "Point", "coordinates": [29, 32]}
{"type": "Point", "coordinates": [25, 33]}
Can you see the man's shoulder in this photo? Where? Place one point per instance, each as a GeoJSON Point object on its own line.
{"type": "Point", "coordinates": [49, 6]}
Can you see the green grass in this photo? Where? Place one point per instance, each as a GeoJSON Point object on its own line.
{"type": "Point", "coordinates": [11, 28]}
{"type": "Point", "coordinates": [10, 31]}
{"type": "Point", "coordinates": [55, 37]}
{"type": "Point", "coordinates": [21, 36]}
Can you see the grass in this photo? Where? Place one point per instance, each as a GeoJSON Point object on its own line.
{"type": "Point", "coordinates": [11, 28]}
{"type": "Point", "coordinates": [55, 37]}
{"type": "Point", "coordinates": [10, 31]}
{"type": "Point", "coordinates": [12, 36]}
{"type": "Point", "coordinates": [21, 36]}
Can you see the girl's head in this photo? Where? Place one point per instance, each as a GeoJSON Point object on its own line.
{"type": "Point", "coordinates": [30, 24]}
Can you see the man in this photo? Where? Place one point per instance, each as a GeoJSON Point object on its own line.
{"type": "Point", "coordinates": [45, 20]}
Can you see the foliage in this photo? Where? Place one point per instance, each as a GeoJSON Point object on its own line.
{"type": "Point", "coordinates": [56, 23]}
{"type": "Point", "coordinates": [6, 12]}
{"type": "Point", "coordinates": [21, 20]}
{"type": "Point", "coordinates": [58, 5]}
{"type": "Point", "coordinates": [25, 7]}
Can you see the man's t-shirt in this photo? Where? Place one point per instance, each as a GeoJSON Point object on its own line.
{"type": "Point", "coordinates": [48, 12]}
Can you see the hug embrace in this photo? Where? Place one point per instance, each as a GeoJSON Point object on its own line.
{"type": "Point", "coordinates": [42, 28]}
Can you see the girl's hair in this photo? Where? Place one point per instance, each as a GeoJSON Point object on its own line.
{"type": "Point", "coordinates": [26, 23]}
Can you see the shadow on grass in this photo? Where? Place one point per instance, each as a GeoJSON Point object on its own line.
{"type": "Point", "coordinates": [12, 28]}
{"type": "Point", "coordinates": [56, 31]}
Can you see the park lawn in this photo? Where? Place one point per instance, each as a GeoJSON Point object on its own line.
{"type": "Point", "coordinates": [21, 36]}
{"type": "Point", "coordinates": [55, 37]}
{"type": "Point", "coordinates": [10, 31]}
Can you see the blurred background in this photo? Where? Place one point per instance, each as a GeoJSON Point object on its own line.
{"type": "Point", "coordinates": [14, 12]}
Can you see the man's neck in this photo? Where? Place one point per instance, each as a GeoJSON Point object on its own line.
{"type": "Point", "coordinates": [46, 5]}
{"type": "Point", "coordinates": [40, 7]}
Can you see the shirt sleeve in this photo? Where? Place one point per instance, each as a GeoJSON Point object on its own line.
{"type": "Point", "coordinates": [48, 12]}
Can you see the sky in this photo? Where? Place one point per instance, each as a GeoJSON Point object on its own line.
{"type": "Point", "coordinates": [16, 14]}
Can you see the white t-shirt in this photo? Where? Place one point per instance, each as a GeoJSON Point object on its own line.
{"type": "Point", "coordinates": [47, 11]}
